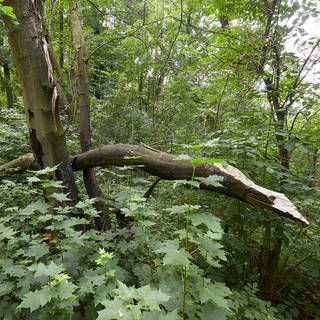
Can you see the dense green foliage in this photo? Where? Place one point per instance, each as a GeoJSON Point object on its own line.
{"type": "Point", "coordinates": [191, 78]}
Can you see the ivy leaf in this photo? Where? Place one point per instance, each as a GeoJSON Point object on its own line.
{"type": "Point", "coordinates": [173, 255]}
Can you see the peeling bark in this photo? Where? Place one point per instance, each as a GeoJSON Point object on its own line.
{"type": "Point", "coordinates": [32, 55]}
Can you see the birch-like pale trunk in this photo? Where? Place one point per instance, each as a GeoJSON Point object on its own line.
{"type": "Point", "coordinates": [31, 50]}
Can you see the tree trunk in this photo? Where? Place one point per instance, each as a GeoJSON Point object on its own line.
{"type": "Point", "coordinates": [6, 70]}
{"type": "Point", "coordinates": [61, 37]}
{"type": "Point", "coordinates": [9, 94]}
{"type": "Point", "coordinates": [32, 54]}
{"type": "Point", "coordinates": [270, 260]}
{"type": "Point", "coordinates": [89, 176]}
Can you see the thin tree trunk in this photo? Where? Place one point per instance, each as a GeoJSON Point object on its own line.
{"type": "Point", "coordinates": [89, 176]}
{"type": "Point", "coordinates": [9, 94]}
{"type": "Point", "coordinates": [272, 244]}
{"type": "Point", "coordinates": [61, 37]}
{"type": "Point", "coordinates": [6, 70]}
{"type": "Point", "coordinates": [31, 51]}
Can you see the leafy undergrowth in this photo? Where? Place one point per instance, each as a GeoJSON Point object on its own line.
{"type": "Point", "coordinates": [163, 265]}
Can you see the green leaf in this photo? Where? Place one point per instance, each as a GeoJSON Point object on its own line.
{"type": "Point", "coordinates": [210, 221]}
{"type": "Point", "coordinates": [170, 316]}
{"type": "Point", "coordinates": [6, 287]}
{"type": "Point", "coordinates": [151, 298]}
{"type": "Point", "coordinates": [211, 160]}
{"type": "Point", "coordinates": [86, 203]}
{"type": "Point", "coordinates": [6, 232]}
{"type": "Point", "coordinates": [183, 209]}
{"type": "Point", "coordinates": [114, 309]}
{"type": "Point", "coordinates": [33, 179]}
{"type": "Point", "coordinates": [61, 197]}
{"type": "Point", "coordinates": [269, 170]}
{"type": "Point", "coordinates": [65, 291]}
{"type": "Point", "coordinates": [192, 183]}
{"type": "Point", "coordinates": [46, 170]}
{"type": "Point", "coordinates": [39, 206]}
{"type": "Point", "coordinates": [212, 312]}
{"type": "Point", "coordinates": [16, 270]}
{"type": "Point", "coordinates": [213, 180]}
{"type": "Point", "coordinates": [53, 184]}
{"type": "Point", "coordinates": [50, 270]}
{"type": "Point", "coordinates": [173, 255]}
{"type": "Point", "coordinates": [36, 299]}
{"type": "Point", "coordinates": [182, 157]}
{"type": "Point", "coordinates": [178, 209]}
{"type": "Point", "coordinates": [37, 251]}
{"type": "Point", "coordinates": [125, 293]}
{"type": "Point", "coordinates": [90, 282]}
{"type": "Point", "coordinates": [216, 292]}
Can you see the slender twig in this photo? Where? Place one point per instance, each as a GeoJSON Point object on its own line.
{"type": "Point", "coordinates": [174, 40]}
{"type": "Point", "coordinates": [291, 269]}
{"type": "Point", "coordinates": [221, 96]}
{"type": "Point", "coordinates": [150, 190]}
{"type": "Point", "coordinates": [206, 31]}
{"type": "Point", "coordinates": [290, 96]}
{"type": "Point", "coordinates": [270, 11]}
{"type": "Point", "coordinates": [294, 120]}
{"type": "Point", "coordinates": [130, 34]}
{"type": "Point", "coordinates": [96, 7]}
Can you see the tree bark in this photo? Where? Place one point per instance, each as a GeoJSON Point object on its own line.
{"type": "Point", "coordinates": [4, 61]}
{"type": "Point", "coordinates": [32, 54]}
{"type": "Point", "coordinates": [9, 94]}
{"type": "Point", "coordinates": [89, 175]}
{"type": "Point", "coordinates": [163, 165]}
{"type": "Point", "coordinates": [61, 37]}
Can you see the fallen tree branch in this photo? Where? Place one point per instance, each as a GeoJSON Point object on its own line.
{"type": "Point", "coordinates": [163, 165]}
